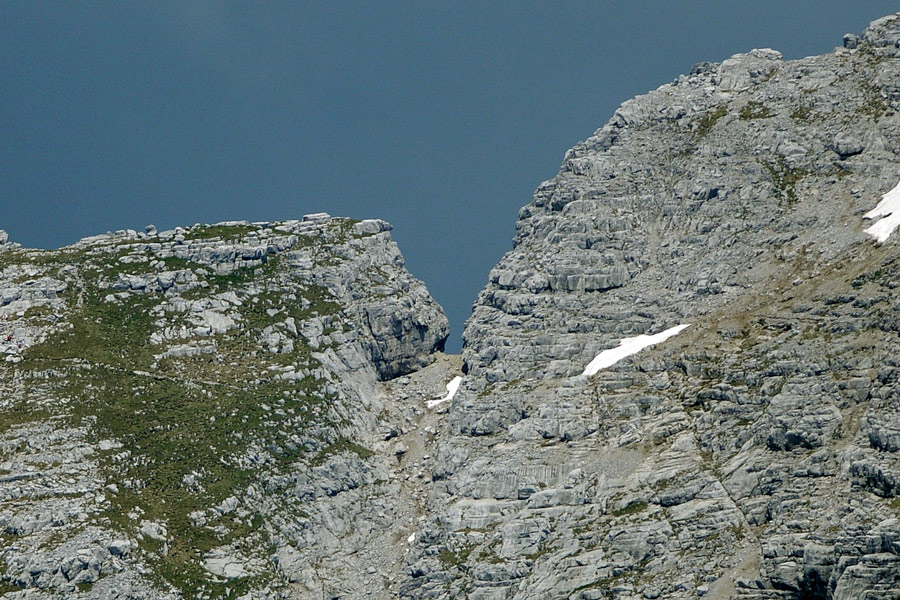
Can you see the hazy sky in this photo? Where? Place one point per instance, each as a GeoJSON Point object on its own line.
{"type": "Point", "coordinates": [440, 117]}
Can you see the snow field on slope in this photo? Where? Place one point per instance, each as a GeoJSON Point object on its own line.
{"type": "Point", "coordinates": [452, 387]}
{"type": "Point", "coordinates": [889, 209]}
{"type": "Point", "coordinates": [627, 347]}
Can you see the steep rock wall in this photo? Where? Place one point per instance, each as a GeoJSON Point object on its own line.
{"type": "Point", "coordinates": [750, 455]}
{"type": "Point", "coordinates": [196, 412]}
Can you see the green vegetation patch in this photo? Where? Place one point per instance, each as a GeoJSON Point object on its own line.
{"type": "Point", "coordinates": [19, 414]}
{"type": "Point", "coordinates": [802, 113]}
{"type": "Point", "coordinates": [175, 429]}
{"type": "Point", "coordinates": [175, 263]}
{"type": "Point", "coordinates": [756, 110]}
{"type": "Point", "coordinates": [784, 180]}
{"type": "Point", "coordinates": [7, 587]}
{"type": "Point", "coordinates": [110, 333]}
{"type": "Point", "coordinates": [37, 312]}
{"type": "Point", "coordinates": [341, 446]}
{"type": "Point", "coordinates": [44, 258]}
{"type": "Point", "coordinates": [450, 558]}
{"type": "Point", "coordinates": [187, 424]}
{"type": "Point", "coordinates": [11, 257]}
{"type": "Point", "coordinates": [708, 121]}
{"type": "Point", "coordinates": [301, 304]}
{"type": "Point", "coordinates": [632, 509]}
{"type": "Point", "coordinates": [874, 104]}
{"type": "Point", "coordinates": [39, 258]}
{"type": "Point", "coordinates": [238, 278]}
{"type": "Point", "coordinates": [344, 227]}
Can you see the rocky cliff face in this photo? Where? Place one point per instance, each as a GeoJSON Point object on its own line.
{"type": "Point", "coordinates": [194, 413]}
{"type": "Point", "coordinates": [747, 457]}
{"type": "Point", "coordinates": [240, 410]}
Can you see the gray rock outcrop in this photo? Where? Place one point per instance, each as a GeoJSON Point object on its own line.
{"type": "Point", "coordinates": [263, 410]}
{"type": "Point", "coordinates": [753, 455]}
{"type": "Point", "coordinates": [190, 413]}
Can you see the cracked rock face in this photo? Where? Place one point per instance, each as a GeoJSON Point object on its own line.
{"type": "Point", "coordinates": [754, 454]}
{"type": "Point", "coordinates": [263, 411]}
{"type": "Point", "coordinates": [191, 413]}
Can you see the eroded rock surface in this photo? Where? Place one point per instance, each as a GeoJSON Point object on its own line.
{"type": "Point", "coordinates": [192, 413]}
{"type": "Point", "coordinates": [252, 410]}
{"type": "Point", "coordinates": [754, 454]}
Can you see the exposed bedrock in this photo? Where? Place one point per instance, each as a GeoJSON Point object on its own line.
{"type": "Point", "coordinates": [753, 455]}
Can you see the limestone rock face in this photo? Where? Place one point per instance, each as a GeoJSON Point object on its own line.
{"type": "Point", "coordinates": [198, 412]}
{"type": "Point", "coordinates": [753, 455]}
{"type": "Point", "coordinates": [263, 411]}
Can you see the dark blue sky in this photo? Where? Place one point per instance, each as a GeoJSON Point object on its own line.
{"type": "Point", "coordinates": [441, 118]}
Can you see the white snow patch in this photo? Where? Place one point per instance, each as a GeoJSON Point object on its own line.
{"type": "Point", "coordinates": [451, 391]}
{"type": "Point", "coordinates": [627, 347]}
{"type": "Point", "coordinates": [889, 208]}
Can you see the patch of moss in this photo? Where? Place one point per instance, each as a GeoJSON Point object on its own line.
{"type": "Point", "coordinates": [784, 180]}
{"type": "Point", "coordinates": [455, 559]}
{"type": "Point", "coordinates": [110, 333]}
{"type": "Point", "coordinates": [174, 428]}
{"type": "Point", "coordinates": [708, 121]}
{"type": "Point", "coordinates": [303, 303]}
{"type": "Point", "coordinates": [755, 110]}
{"type": "Point", "coordinates": [175, 263]}
{"type": "Point", "coordinates": [43, 258]}
{"type": "Point", "coordinates": [7, 587]}
{"type": "Point", "coordinates": [874, 104]}
{"type": "Point", "coordinates": [631, 509]}
{"type": "Point", "coordinates": [802, 113]}
{"type": "Point", "coordinates": [9, 258]}
{"type": "Point", "coordinates": [223, 282]}
{"type": "Point", "coordinates": [344, 227]}
{"type": "Point", "coordinates": [339, 447]}
{"type": "Point", "coordinates": [37, 312]}
{"type": "Point", "coordinates": [193, 417]}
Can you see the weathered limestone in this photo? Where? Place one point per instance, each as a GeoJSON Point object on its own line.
{"type": "Point", "coordinates": [302, 319]}
{"type": "Point", "coordinates": [755, 455]}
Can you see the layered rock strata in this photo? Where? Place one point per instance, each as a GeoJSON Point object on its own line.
{"type": "Point", "coordinates": [196, 413]}
{"type": "Point", "coordinates": [749, 456]}
{"type": "Point", "coordinates": [261, 410]}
